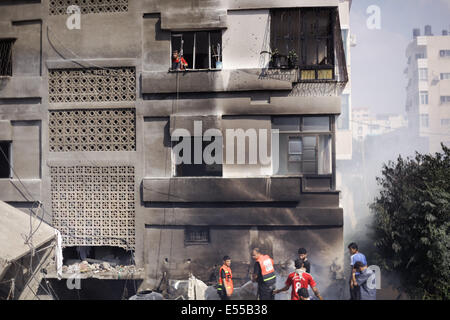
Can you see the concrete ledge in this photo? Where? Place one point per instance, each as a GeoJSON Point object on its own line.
{"type": "Point", "coordinates": [88, 63]}
{"type": "Point", "coordinates": [184, 20]}
{"type": "Point", "coordinates": [218, 189]}
{"type": "Point", "coordinates": [12, 190]}
{"type": "Point", "coordinates": [210, 81]}
{"type": "Point", "coordinates": [20, 87]}
{"type": "Point", "coordinates": [262, 4]}
{"type": "Point", "coordinates": [273, 217]}
{"type": "Point", "coordinates": [187, 123]}
{"type": "Point", "coordinates": [162, 6]}
{"type": "Point", "coordinates": [243, 106]}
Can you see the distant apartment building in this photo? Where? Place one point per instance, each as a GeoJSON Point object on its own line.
{"type": "Point", "coordinates": [90, 123]}
{"type": "Point", "coordinates": [428, 89]}
{"type": "Point", "coordinates": [367, 124]}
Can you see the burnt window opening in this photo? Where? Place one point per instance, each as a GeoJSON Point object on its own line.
{"type": "Point", "coordinates": [305, 145]}
{"type": "Point", "coordinates": [200, 50]}
{"type": "Point", "coordinates": [201, 168]}
{"type": "Point", "coordinates": [304, 37]}
{"type": "Point", "coordinates": [196, 235]}
{"type": "Point", "coordinates": [6, 57]}
{"type": "Point", "coordinates": [115, 256]}
{"type": "Point", "coordinates": [5, 159]}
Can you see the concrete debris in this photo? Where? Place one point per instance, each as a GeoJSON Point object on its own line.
{"type": "Point", "coordinates": [195, 289]}
{"type": "Point", "coordinates": [102, 267]}
{"type": "Point", "coordinates": [147, 295]}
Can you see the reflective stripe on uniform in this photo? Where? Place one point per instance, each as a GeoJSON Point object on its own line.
{"type": "Point", "coordinates": [273, 277]}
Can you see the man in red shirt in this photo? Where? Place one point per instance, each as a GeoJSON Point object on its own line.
{"type": "Point", "coordinates": [299, 279]}
{"type": "Point", "coordinates": [178, 63]}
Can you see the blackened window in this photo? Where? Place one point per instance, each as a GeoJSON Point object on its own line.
{"type": "Point", "coordinates": [305, 35]}
{"type": "Point", "coordinates": [5, 159]}
{"type": "Point", "coordinates": [6, 57]}
{"type": "Point", "coordinates": [201, 50]}
{"type": "Point", "coordinates": [195, 166]}
{"type": "Point", "coordinates": [196, 235]}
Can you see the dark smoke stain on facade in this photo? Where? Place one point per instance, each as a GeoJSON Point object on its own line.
{"type": "Point", "coordinates": [185, 220]}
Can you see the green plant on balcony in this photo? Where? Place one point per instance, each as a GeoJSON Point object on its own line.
{"type": "Point", "coordinates": [292, 58]}
{"type": "Point", "coordinates": [277, 60]}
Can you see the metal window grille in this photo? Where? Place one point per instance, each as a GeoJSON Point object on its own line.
{"type": "Point", "coordinates": [197, 235]}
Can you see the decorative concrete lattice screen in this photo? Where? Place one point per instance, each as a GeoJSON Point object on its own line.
{"type": "Point", "coordinates": [92, 130]}
{"type": "Point", "coordinates": [94, 206]}
{"type": "Point", "coordinates": [88, 6]}
{"type": "Point", "coordinates": [92, 85]}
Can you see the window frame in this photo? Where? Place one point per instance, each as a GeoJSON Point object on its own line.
{"type": "Point", "coordinates": [445, 99]}
{"type": "Point", "coordinates": [4, 42]}
{"type": "Point", "coordinates": [444, 53]}
{"type": "Point", "coordinates": [423, 74]}
{"type": "Point", "coordinates": [301, 134]}
{"type": "Point", "coordinates": [9, 160]}
{"type": "Point", "coordinates": [305, 70]}
{"type": "Point", "coordinates": [423, 97]}
{"type": "Point", "coordinates": [210, 68]}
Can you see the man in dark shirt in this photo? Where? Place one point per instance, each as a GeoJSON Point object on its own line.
{"type": "Point", "coordinates": [303, 255]}
{"type": "Point", "coordinates": [264, 277]}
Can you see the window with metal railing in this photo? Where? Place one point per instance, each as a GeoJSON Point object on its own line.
{"type": "Point", "coordinates": [304, 38]}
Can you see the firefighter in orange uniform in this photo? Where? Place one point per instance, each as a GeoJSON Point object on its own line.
{"type": "Point", "coordinates": [264, 274]}
{"type": "Point", "coordinates": [225, 286]}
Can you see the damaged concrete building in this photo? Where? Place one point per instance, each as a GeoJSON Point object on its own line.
{"type": "Point", "coordinates": [89, 103]}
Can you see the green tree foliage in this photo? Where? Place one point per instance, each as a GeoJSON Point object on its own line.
{"type": "Point", "coordinates": [411, 224]}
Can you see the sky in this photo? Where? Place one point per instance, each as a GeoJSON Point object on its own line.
{"type": "Point", "coordinates": [378, 60]}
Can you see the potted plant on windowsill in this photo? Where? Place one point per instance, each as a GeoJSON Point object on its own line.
{"type": "Point", "coordinates": [292, 59]}
{"type": "Point", "coordinates": [275, 61]}
{"type": "Point", "coordinates": [278, 60]}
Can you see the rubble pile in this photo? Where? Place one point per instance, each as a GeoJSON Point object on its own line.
{"type": "Point", "coordinates": [100, 267]}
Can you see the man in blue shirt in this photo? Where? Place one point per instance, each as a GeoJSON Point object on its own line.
{"type": "Point", "coordinates": [355, 256]}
